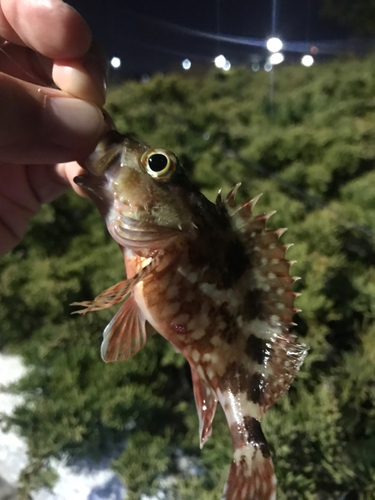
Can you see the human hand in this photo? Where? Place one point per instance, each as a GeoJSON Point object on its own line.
{"type": "Point", "coordinates": [42, 129]}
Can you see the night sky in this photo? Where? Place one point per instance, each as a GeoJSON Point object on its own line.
{"type": "Point", "coordinates": [143, 33]}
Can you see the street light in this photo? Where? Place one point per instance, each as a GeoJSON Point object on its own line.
{"type": "Point", "coordinates": [276, 58]}
{"type": "Point", "coordinates": [220, 61]}
{"type": "Point", "coordinates": [274, 44]}
{"type": "Point", "coordinates": [227, 65]}
{"type": "Point", "coordinates": [307, 61]}
{"type": "Point", "coordinates": [186, 64]}
{"type": "Point", "coordinates": [115, 62]}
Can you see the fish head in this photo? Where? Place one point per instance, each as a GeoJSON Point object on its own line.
{"type": "Point", "coordinates": [142, 193]}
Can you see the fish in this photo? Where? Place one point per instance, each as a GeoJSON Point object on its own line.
{"type": "Point", "coordinates": [213, 281]}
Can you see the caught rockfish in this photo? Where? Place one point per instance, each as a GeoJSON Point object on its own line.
{"type": "Point", "coordinates": [210, 279]}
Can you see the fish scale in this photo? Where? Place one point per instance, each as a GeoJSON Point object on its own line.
{"type": "Point", "coordinates": [213, 281]}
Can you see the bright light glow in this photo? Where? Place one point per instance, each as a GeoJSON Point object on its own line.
{"type": "Point", "coordinates": [274, 44]}
{"type": "Point", "coordinates": [115, 62]}
{"type": "Point", "coordinates": [255, 66]}
{"type": "Point", "coordinates": [276, 58]}
{"type": "Point", "coordinates": [220, 61]}
{"type": "Point", "coordinates": [186, 64]}
{"type": "Point", "coordinates": [227, 65]}
{"type": "Point", "coordinates": [307, 60]}
{"type": "Point", "coordinates": [267, 66]}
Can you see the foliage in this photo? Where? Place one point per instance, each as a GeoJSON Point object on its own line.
{"type": "Point", "coordinates": [311, 152]}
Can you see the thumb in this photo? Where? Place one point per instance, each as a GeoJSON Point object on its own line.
{"type": "Point", "coordinates": [43, 125]}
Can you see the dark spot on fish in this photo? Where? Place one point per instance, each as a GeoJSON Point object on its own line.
{"type": "Point", "coordinates": [255, 388]}
{"type": "Point", "coordinates": [217, 249]}
{"type": "Point", "coordinates": [256, 349]}
{"type": "Point", "coordinates": [236, 262]}
{"type": "Point", "coordinates": [253, 305]}
{"type": "Point", "coordinates": [255, 435]}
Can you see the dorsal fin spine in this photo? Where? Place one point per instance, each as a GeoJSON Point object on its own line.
{"type": "Point", "coordinates": [230, 198]}
{"type": "Point", "coordinates": [272, 280]}
{"type": "Point", "coordinates": [255, 200]}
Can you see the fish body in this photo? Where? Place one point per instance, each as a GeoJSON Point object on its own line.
{"type": "Point", "coordinates": [210, 279]}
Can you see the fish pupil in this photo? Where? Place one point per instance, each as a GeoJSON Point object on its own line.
{"type": "Point", "coordinates": [157, 162]}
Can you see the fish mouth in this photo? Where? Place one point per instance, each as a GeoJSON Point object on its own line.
{"type": "Point", "coordinates": [107, 149]}
{"type": "Point", "coordinates": [137, 234]}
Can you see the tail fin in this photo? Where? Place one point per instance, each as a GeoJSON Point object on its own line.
{"type": "Point", "coordinates": [251, 477]}
{"type": "Point", "coordinates": [251, 474]}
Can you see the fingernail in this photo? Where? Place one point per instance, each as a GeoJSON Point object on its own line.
{"type": "Point", "coordinates": [72, 123]}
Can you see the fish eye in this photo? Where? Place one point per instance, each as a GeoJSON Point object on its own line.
{"type": "Point", "coordinates": [159, 163]}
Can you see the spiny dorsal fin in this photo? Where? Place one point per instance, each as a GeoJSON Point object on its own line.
{"type": "Point", "coordinates": [230, 199]}
{"type": "Point", "coordinates": [270, 267]}
{"type": "Point", "coordinates": [272, 286]}
{"type": "Point", "coordinates": [219, 198]}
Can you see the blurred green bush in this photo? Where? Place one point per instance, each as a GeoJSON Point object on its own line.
{"type": "Point", "coordinates": [311, 152]}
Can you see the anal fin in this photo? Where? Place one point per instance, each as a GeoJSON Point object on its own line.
{"type": "Point", "coordinates": [206, 402]}
{"type": "Point", "coordinates": [125, 335]}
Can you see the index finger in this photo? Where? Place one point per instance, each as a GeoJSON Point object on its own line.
{"type": "Point", "coordinates": [50, 27]}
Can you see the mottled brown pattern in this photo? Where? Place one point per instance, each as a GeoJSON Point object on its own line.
{"type": "Point", "coordinates": [238, 380]}
{"type": "Point", "coordinates": [234, 380]}
{"type": "Point", "coordinates": [191, 307]}
{"type": "Point", "coordinates": [222, 294]}
{"type": "Point", "coordinates": [231, 330]}
{"type": "Point", "coordinates": [239, 439]}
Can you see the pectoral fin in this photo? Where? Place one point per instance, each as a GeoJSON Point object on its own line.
{"type": "Point", "coordinates": [111, 296]}
{"type": "Point", "coordinates": [125, 335]}
{"type": "Point", "coordinates": [206, 402]}
{"type": "Point", "coordinates": [116, 293]}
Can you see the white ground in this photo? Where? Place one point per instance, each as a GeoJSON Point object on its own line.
{"type": "Point", "coordinates": [98, 484]}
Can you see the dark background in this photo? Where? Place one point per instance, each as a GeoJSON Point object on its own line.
{"type": "Point", "coordinates": [140, 32]}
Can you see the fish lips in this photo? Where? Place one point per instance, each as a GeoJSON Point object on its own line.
{"type": "Point", "coordinates": [95, 188]}
{"type": "Point", "coordinates": [95, 182]}
{"type": "Point", "coordinates": [105, 153]}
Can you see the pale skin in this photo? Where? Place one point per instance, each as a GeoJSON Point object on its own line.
{"type": "Point", "coordinates": [44, 131]}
